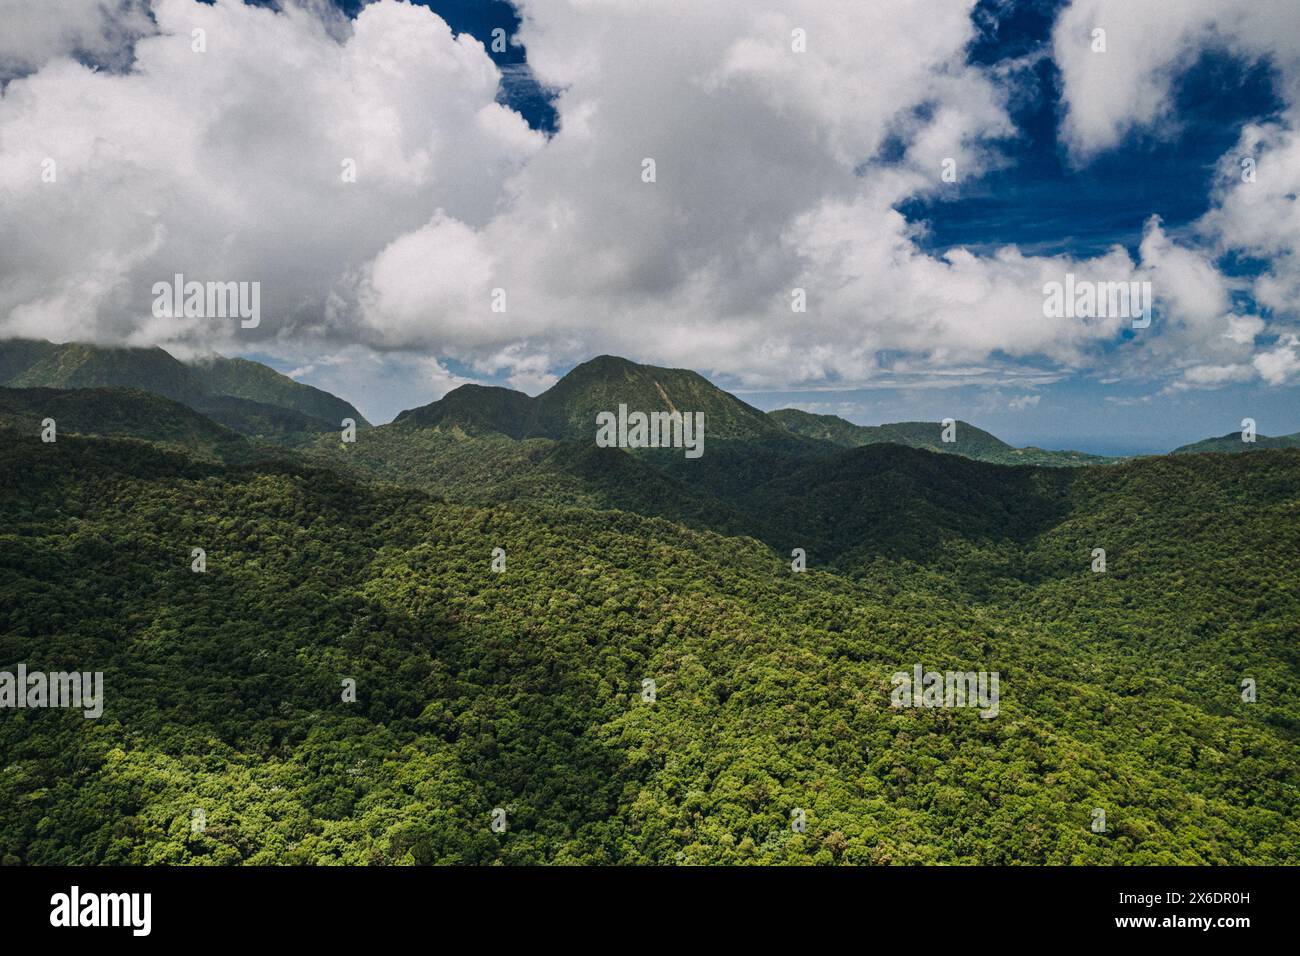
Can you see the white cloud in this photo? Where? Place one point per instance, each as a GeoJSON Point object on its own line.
{"type": "Point", "coordinates": [227, 165]}
{"type": "Point", "coordinates": [1210, 376]}
{"type": "Point", "coordinates": [1108, 94]}
{"type": "Point", "coordinates": [1254, 212]}
{"type": "Point", "coordinates": [1280, 365]}
{"type": "Point", "coordinates": [35, 33]}
{"type": "Point", "coordinates": [1259, 215]}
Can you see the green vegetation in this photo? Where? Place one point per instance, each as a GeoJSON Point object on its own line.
{"type": "Point", "coordinates": [968, 440]}
{"type": "Point", "coordinates": [569, 408]}
{"type": "Point", "coordinates": [240, 378]}
{"type": "Point", "coordinates": [125, 413]}
{"type": "Point", "coordinates": [522, 690]}
{"type": "Point", "coordinates": [235, 392]}
{"type": "Point", "coordinates": [1232, 443]}
{"type": "Point", "coordinates": [272, 423]}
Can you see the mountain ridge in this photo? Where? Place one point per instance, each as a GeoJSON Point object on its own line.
{"type": "Point", "coordinates": [567, 411]}
{"type": "Point", "coordinates": [970, 441]}
{"type": "Point", "coordinates": [37, 363]}
{"type": "Point", "coordinates": [1231, 443]}
{"type": "Point", "coordinates": [256, 401]}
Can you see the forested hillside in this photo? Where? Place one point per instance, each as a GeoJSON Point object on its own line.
{"type": "Point", "coordinates": [247, 397]}
{"type": "Point", "coordinates": [967, 440]}
{"type": "Point", "coordinates": [123, 413]}
{"type": "Point", "coordinates": [568, 410]}
{"type": "Point", "coordinates": [1232, 443]}
{"type": "Point", "coordinates": [523, 690]}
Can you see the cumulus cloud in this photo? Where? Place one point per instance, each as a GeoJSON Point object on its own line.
{"type": "Point", "coordinates": [1129, 85]}
{"type": "Point", "coordinates": [101, 30]}
{"type": "Point", "coordinates": [1254, 212]}
{"type": "Point", "coordinates": [397, 214]}
{"type": "Point", "coordinates": [280, 154]}
{"type": "Point", "coordinates": [1282, 364]}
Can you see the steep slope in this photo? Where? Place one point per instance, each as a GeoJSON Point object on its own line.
{"type": "Point", "coordinates": [476, 409]}
{"type": "Point", "coordinates": [78, 365]}
{"type": "Point", "coordinates": [256, 382]}
{"type": "Point", "coordinates": [18, 355]}
{"type": "Point", "coordinates": [1231, 443]}
{"type": "Point", "coordinates": [26, 363]}
{"type": "Point", "coordinates": [568, 409]}
{"type": "Point", "coordinates": [742, 447]}
{"type": "Point", "coordinates": [123, 413]}
{"type": "Point", "coordinates": [275, 423]}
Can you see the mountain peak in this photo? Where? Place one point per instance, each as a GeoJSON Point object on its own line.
{"type": "Point", "coordinates": [568, 409]}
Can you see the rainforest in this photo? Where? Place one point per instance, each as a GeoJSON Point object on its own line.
{"type": "Point", "coordinates": [431, 645]}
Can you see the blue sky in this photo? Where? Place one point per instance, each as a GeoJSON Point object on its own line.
{"type": "Point", "coordinates": [778, 168]}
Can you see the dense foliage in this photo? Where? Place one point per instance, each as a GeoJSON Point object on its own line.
{"type": "Point", "coordinates": [967, 440]}
{"type": "Point", "coordinates": [1232, 443]}
{"type": "Point", "coordinates": [522, 690]}
{"type": "Point", "coordinates": [248, 386]}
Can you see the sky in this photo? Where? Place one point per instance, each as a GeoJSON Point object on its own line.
{"type": "Point", "coordinates": [498, 155]}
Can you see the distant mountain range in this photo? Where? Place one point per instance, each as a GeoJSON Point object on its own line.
{"type": "Point", "coordinates": [568, 411]}
{"type": "Point", "coordinates": [1232, 443]}
{"type": "Point", "coordinates": [969, 441]}
{"type": "Point", "coordinates": [257, 402]}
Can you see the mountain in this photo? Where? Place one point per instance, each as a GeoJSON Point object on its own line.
{"type": "Point", "coordinates": [476, 409]}
{"type": "Point", "coordinates": [240, 378]}
{"type": "Point", "coordinates": [275, 423]}
{"type": "Point", "coordinates": [123, 413]}
{"type": "Point", "coordinates": [1232, 443]}
{"type": "Point", "coordinates": [969, 441]}
{"type": "Point", "coordinates": [26, 363]}
{"type": "Point", "coordinates": [568, 409]}
{"type": "Point", "coordinates": [18, 355]}
{"type": "Point", "coordinates": [79, 365]}
{"type": "Point", "coordinates": [748, 452]}
{"type": "Point", "coordinates": [481, 443]}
